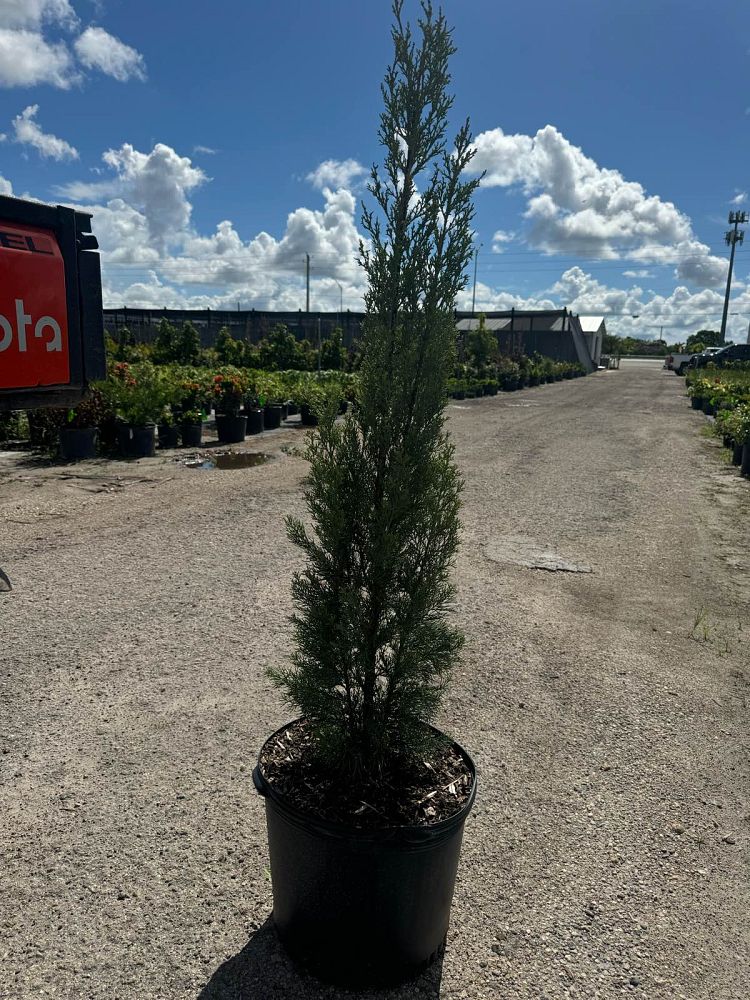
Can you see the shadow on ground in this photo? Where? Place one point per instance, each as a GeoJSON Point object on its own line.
{"type": "Point", "coordinates": [263, 971]}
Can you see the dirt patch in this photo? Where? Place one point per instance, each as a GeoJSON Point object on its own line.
{"type": "Point", "coordinates": [533, 555]}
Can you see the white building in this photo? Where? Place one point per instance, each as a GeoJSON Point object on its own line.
{"type": "Point", "coordinates": [594, 330]}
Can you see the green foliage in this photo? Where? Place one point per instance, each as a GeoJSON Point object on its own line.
{"type": "Point", "coordinates": [14, 425]}
{"type": "Point", "coordinates": [481, 345]}
{"type": "Point", "coordinates": [628, 346]}
{"type": "Point", "coordinates": [164, 345]}
{"type": "Point", "coordinates": [187, 345]}
{"type": "Point", "coordinates": [333, 352]}
{"type": "Point", "coordinates": [228, 350]}
{"type": "Point", "coordinates": [699, 341]}
{"type": "Point", "coordinates": [229, 388]}
{"type": "Point", "coordinates": [728, 389]}
{"type": "Point", "coordinates": [374, 646]}
{"type": "Point", "coordinates": [92, 411]}
{"type": "Point", "coordinates": [280, 350]}
{"type": "Point", "coordinates": [136, 393]}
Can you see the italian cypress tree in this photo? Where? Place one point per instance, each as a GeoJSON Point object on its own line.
{"type": "Point", "coordinates": [374, 646]}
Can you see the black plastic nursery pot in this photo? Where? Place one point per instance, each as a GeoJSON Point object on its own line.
{"type": "Point", "coordinates": [696, 402]}
{"type": "Point", "coordinates": [231, 430]}
{"type": "Point", "coordinates": [308, 417]}
{"type": "Point", "coordinates": [137, 441]}
{"type": "Point", "coordinates": [77, 443]}
{"type": "Point", "coordinates": [284, 411]}
{"type": "Point", "coordinates": [737, 454]}
{"type": "Point", "coordinates": [459, 394]}
{"type": "Point", "coordinates": [360, 907]}
{"type": "Point", "coordinates": [192, 435]}
{"type": "Point", "coordinates": [169, 436]}
{"type": "Point", "coordinates": [708, 408]}
{"type": "Point", "coordinates": [255, 421]}
{"type": "Point", "coordinates": [291, 409]}
{"type": "Point", "coordinates": [745, 463]}
{"type": "Point", "coordinates": [272, 417]}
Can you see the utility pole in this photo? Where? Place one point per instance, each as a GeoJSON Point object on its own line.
{"type": "Point", "coordinates": [733, 237]}
{"type": "Point", "coordinates": [341, 304]}
{"type": "Point", "coordinates": [320, 345]}
{"type": "Point", "coordinates": [307, 281]}
{"type": "Point", "coordinates": [474, 293]}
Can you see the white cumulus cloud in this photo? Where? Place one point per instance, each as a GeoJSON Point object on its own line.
{"type": "Point", "coordinates": [30, 55]}
{"type": "Point", "coordinates": [97, 49]}
{"type": "Point", "coordinates": [336, 174]}
{"type": "Point", "coordinates": [500, 238]}
{"type": "Point", "coordinates": [29, 133]}
{"type": "Point", "coordinates": [576, 206]}
{"type": "Point", "coordinates": [152, 256]}
{"type": "Point", "coordinates": [5, 186]}
{"type": "Point", "coordinates": [27, 59]}
{"type": "Point", "coordinates": [31, 13]}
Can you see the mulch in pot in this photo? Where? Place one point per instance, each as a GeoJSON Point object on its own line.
{"type": "Point", "coordinates": [418, 793]}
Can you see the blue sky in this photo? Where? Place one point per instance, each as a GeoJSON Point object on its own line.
{"type": "Point", "coordinates": [614, 135]}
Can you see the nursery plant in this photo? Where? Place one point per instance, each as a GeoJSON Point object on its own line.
{"type": "Point", "coordinates": [363, 770]}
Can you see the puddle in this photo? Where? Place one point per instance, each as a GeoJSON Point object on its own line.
{"type": "Point", "coordinates": [530, 554]}
{"type": "Point", "coordinates": [229, 460]}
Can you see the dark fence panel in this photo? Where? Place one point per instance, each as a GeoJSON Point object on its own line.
{"type": "Point", "coordinates": [250, 324]}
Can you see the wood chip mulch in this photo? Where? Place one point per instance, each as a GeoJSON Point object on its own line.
{"type": "Point", "coordinates": [422, 793]}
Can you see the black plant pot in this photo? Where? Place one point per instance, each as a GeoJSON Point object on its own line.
{"type": "Point", "coordinates": [360, 907]}
{"type": "Point", "coordinates": [272, 417]}
{"type": "Point", "coordinates": [137, 442]}
{"type": "Point", "coordinates": [284, 411]}
{"type": "Point", "coordinates": [533, 380]}
{"type": "Point", "coordinates": [192, 435]}
{"type": "Point", "coordinates": [77, 443]}
{"type": "Point", "coordinates": [255, 423]}
{"type": "Point", "coordinates": [292, 409]}
{"type": "Point", "coordinates": [737, 454]}
{"type": "Point", "coordinates": [459, 394]}
{"type": "Point", "coordinates": [726, 441]}
{"type": "Point", "coordinates": [708, 408]}
{"type": "Point", "coordinates": [696, 402]}
{"type": "Point", "coordinates": [231, 430]}
{"type": "Point", "coordinates": [745, 464]}
{"type": "Point", "coordinates": [169, 436]}
{"type": "Point", "coordinates": [308, 417]}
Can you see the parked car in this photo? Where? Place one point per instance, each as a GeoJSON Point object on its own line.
{"type": "Point", "coordinates": [723, 356]}
{"type": "Point", "coordinates": [705, 354]}
{"type": "Point", "coordinates": [678, 362]}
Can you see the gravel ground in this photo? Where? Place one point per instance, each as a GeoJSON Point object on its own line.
{"type": "Point", "coordinates": [605, 702]}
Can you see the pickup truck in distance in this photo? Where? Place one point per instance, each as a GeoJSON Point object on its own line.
{"type": "Point", "coordinates": [677, 363]}
{"type": "Point", "coordinates": [725, 355]}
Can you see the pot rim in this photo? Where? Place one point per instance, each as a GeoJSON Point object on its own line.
{"type": "Point", "coordinates": [412, 834]}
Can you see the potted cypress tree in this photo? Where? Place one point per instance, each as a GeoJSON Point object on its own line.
{"type": "Point", "coordinates": [365, 800]}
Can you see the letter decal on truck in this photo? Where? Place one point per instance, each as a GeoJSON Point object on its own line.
{"type": "Point", "coordinates": [33, 309]}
